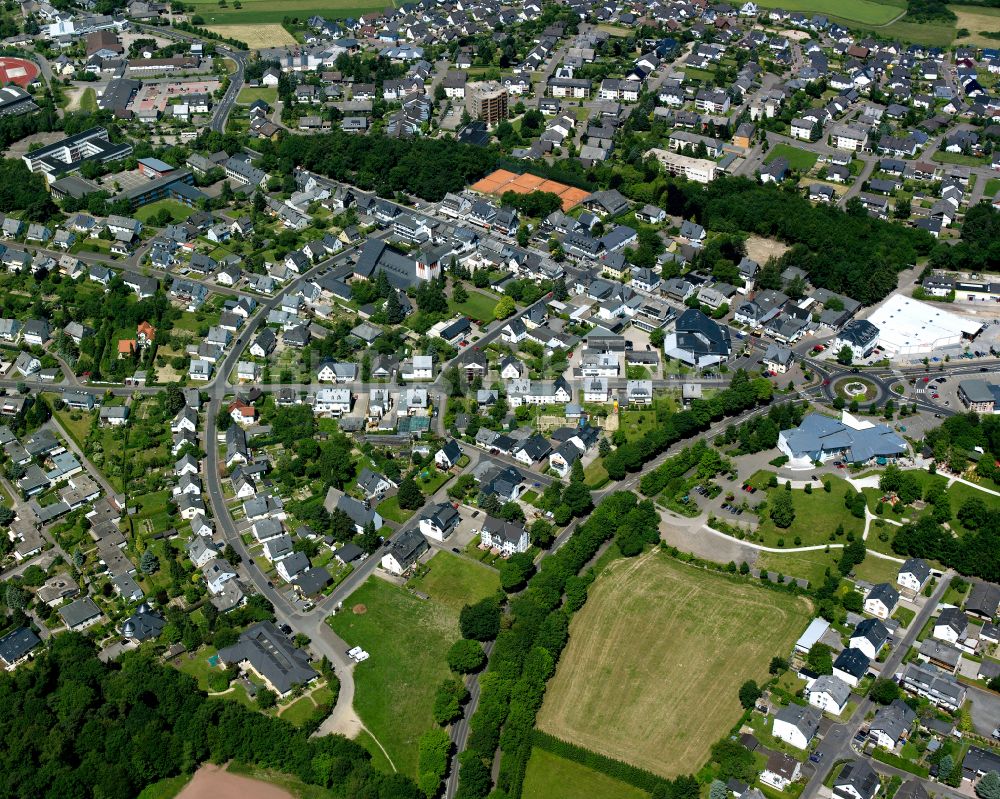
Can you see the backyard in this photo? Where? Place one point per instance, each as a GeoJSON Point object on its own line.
{"type": "Point", "coordinates": [478, 307]}
{"type": "Point", "coordinates": [679, 634]}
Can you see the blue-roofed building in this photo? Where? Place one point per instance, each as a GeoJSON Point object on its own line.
{"type": "Point", "coordinates": [820, 438]}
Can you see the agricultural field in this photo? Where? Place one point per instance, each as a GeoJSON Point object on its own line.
{"type": "Point", "coordinates": [799, 160]}
{"type": "Point", "coordinates": [408, 639]}
{"type": "Point", "coordinates": [254, 12]}
{"type": "Point", "coordinates": [678, 634]}
{"type": "Point", "coordinates": [977, 20]}
{"type": "Point", "coordinates": [864, 11]}
{"type": "Point", "coordinates": [552, 777]}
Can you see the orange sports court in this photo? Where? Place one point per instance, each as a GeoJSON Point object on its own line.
{"type": "Point", "coordinates": [501, 181]}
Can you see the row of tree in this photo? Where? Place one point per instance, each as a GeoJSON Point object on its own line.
{"type": "Point", "coordinates": [743, 393]}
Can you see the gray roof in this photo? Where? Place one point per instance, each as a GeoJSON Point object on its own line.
{"type": "Point", "coordinates": [271, 655]}
{"type": "Point", "coordinates": [79, 611]}
{"type": "Point", "coordinates": [818, 433]}
{"type": "Point", "coordinates": [805, 718]}
{"type": "Point", "coordinates": [894, 720]}
{"type": "Point", "coordinates": [838, 690]}
{"type": "Point", "coordinates": [15, 645]}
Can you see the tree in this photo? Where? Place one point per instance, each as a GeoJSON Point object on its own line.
{"type": "Point", "coordinates": [845, 355]}
{"type": "Point", "coordinates": [782, 509]}
{"type": "Point", "coordinates": [394, 309]}
{"type": "Point", "coordinates": [989, 786]}
{"type": "Point", "coordinates": [432, 761]}
{"type": "Point", "coordinates": [778, 665]}
{"type": "Point", "coordinates": [749, 694]}
{"type": "Point", "coordinates": [718, 790]}
{"type": "Point", "coordinates": [946, 765]}
{"type": "Point", "coordinates": [884, 692]}
{"type": "Point", "coordinates": [515, 571]}
{"type": "Point", "coordinates": [481, 621]}
{"type": "Point", "coordinates": [542, 533]}
{"type": "Point", "coordinates": [820, 659]}
{"type": "Point", "coordinates": [504, 308]}
{"type": "Point", "coordinates": [466, 656]}
{"type": "Point", "coordinates": [16, 597]}
{"type": "Point", "coordinates": [409, 494]}
{"type": "Point", "coordinates": [448, 700]}
{"type": "Point", "coordinates": [149, 563]}
{"type": "Point", "coordinates": [266, 698]}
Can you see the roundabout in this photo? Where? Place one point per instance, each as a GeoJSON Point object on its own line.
{"type": "Point", "coordinates": [856, 388]}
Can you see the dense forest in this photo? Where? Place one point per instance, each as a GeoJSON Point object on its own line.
{"type": "Point", "coordinates": [74, 727]}
{"type": "Point", "coordinates": [844, 251]}
{"type": "Point", "coordinates": [979, 248]}
{"type": "Point", "coordinates": [427, 168]}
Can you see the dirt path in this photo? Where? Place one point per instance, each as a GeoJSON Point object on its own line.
{"type": "Point", "coordinates": [214, 782]}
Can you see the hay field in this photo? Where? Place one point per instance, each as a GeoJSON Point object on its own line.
{"type": "Point", "coordinates": [252, 12]}
{"type": "Point", "coordinates": [656, 657]}
{"type": "Point", "coordinates": [256, 36]}
{"type": "Point", "coordinates": [977, 20]}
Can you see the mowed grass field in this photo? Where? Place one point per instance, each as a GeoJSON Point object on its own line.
{"type": "Point", "coordinates": [801, 160]}
{"type": "Point", "coordinates": [552, 777]}
{"type": "Point", "coordinates": [656, 658]}
{"type": "Point", "coordinates": [408, 640]}
{"type": "Point", "coordinates": [254, 12]}
{"type": "Point", "coordinates": [865, 11]}
{"type": "Point", "coordinates": [455, 581]}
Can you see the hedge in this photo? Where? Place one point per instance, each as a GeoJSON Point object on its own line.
{"type": "Point", "coordinates": [616, 769]}
{"type": "Point", "coordinates": [899, 762]}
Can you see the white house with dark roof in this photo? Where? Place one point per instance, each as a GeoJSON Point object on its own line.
{"type": "Point", "coordinates": [796, 724]}
{"type": "Point", "coordinates": [913, 576]}
{"type": "Point", "coordinates": [829, 694]}
{"type": "Point", "coordinates": [505, 536]}
{"type": "Point", "coordinates": [881, 601]}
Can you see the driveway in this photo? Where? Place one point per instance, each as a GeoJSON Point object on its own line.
{"type": "Point", "coordinates": [985, 710]}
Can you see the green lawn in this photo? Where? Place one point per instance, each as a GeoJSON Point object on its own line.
{"type": "Point", "coordinates": [196, 664]}
{"type": "Point", "coordinates": [250, 94]}
{"type": "Point", "coordinates": [693, 73]}
{"type": "Point", "coordinates": [866, 11]}
{"type": "Point", "coordinates": [300, 711]}
{"type": "Point", "coordinates": [479, 307]}
{"type": "Point", "coordinates": [809, 566]}
{"type": "Point", "coordinates": [991, 188]}
{"type": "Point", "coordinates": [258, 11]}
{"type": "Point", "coordinates": [389, 509]}
{"type": "Point", "coordinates": [455, 581]}
{"type": "Point", "coordinates": [408, 639]}
{"type": "Point", "coordinates": [552, 777]}
{"type": "Point", "coordinates": [816, 516]}
{"type": "Point", "coordinates": [933, 34]}
{"type": "Point", "coordinates": [178, 210]}
{"type": "Point", "coordinates": [637, 423]}
{"type": "Point", "coordinates": [433, 481]}
{"type": "Point", "coordinates": [595, 475]}
{"type": "Point", "coordinates": [943, 157]}
{"type": "Point", "coordinates": [800, 160]}
{"type": "Point", "coordinates": [88, 100]}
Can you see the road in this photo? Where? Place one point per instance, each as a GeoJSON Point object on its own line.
{"type": "Point", "coordinates": [836, 744]}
